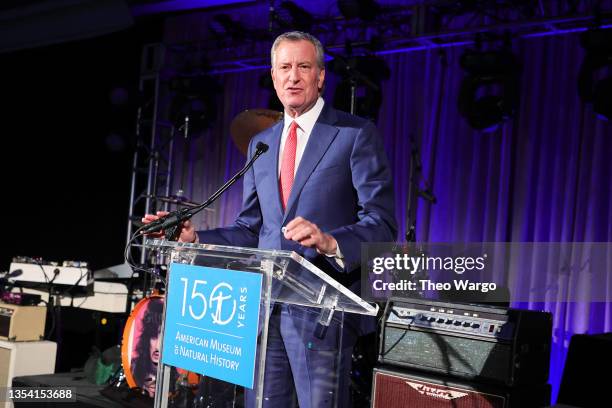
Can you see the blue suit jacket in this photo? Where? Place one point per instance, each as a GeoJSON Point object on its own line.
{"type": "Point", "coordinates": [343, 184]}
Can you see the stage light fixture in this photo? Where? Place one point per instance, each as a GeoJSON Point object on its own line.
{"type": "Point", "coordinates": [366, 10]}
{"type": "Point", "coordinates": [124, 100]}
{"type": "Point", "coordinates": [365, 74]}
{"type": "Point", "coordinates": [223, 26]}
{"type": "Point", "coordinates": [489, 93]}
{"type": "Point", "coordinates": [195, 98]}
{"type": "Point", "coordinates": [595, 76]}
{"type": "Point", "coordinates": [291, 16]}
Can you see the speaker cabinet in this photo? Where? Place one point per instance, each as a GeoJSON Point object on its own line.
{"type": "Point", "coordinates": [22, 323]}
{"type": "Point", "coordinates": [583, 385]}
{"type": "Point", "coordinates": [399, 389]}
{"type": "Point", "coordinates": [18, 358]}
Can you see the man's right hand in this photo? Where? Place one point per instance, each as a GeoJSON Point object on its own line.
{"type": "Point", "coordinates": [188, 233]}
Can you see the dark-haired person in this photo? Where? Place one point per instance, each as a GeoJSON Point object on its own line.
{"type": "Point", "coordinates": [323, 188]}
{"type": "Point", "coordinates": [145, 357]}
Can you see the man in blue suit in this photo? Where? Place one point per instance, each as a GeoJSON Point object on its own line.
{"type": "Point", "coordinates": [323, 188]}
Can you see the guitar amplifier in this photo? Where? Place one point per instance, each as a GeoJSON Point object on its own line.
{"type": "Point", "coordinates": [22, 323]}
{"type": "Point", "coordinates": [475, 342]}
{"type": "Point", "coordinates": [399, 389]}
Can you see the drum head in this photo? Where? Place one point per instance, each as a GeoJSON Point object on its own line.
{"type": "Point", "coordinates": [140, 347]}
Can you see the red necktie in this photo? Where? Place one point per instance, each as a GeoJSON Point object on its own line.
{"type": "Point", "coordinates": [288, 164]}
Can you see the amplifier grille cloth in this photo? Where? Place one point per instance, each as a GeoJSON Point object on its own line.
{"type": "Point", "coordinates": [447, 353]}
{"type": "Point", "coordinates": [400, 392]}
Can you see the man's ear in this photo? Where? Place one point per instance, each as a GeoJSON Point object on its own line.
{"type": "Point", "coordinates": [321, 79]}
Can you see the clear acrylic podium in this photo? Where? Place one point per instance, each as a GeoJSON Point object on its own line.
{"type": "Point", "coordinates": [287, 279]}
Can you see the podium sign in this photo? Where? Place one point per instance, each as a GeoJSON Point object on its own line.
{"type": "Point", "coordinates": [217, 315]}
{"type": "Point", "coordinates": [211, 325]}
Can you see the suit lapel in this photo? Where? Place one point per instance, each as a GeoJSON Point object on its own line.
{"type": "Point", "coordinates": [270, 166]}
{"type": "Point", "coordinates": [320, 139]}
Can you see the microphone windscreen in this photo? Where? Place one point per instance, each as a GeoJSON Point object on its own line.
{"type": "Point", "coordinates": [262, 146]}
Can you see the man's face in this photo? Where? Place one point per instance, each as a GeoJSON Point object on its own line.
{"type": "Point", "coordinates": [296, 76]}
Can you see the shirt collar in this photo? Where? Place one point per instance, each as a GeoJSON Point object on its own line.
{"type": "Point", "coordinates": [307, 120]}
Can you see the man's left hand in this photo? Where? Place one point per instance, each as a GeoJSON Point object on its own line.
{"type": "Point", "coordinates": [309, 235]}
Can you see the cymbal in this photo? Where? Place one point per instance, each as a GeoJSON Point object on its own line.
{"type": "Point", "coordinates": [250, 122]}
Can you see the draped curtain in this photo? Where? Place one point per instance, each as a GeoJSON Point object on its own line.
{"type": "Point", "coordinates": [545, 176]}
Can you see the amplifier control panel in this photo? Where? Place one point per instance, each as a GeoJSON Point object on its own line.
{"type": "Point", "coordinates": [452, 319]}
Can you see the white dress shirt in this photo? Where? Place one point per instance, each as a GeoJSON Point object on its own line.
{"type": "Point", "coordinates": [306, 122]}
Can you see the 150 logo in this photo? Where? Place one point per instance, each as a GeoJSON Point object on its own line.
{"type": "Point", "coordinates": [220, 304]}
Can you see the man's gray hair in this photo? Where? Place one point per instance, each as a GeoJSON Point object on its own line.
{"type": "Point", "coordinates": [300, 36]}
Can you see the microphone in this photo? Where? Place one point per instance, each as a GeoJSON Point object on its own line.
{"type": "Point", "coordinates": [261, 146]}
{"type": "Point", "coordinates": [171, 223]}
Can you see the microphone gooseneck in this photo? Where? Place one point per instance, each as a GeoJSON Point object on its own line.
{"type": "Point", "coordinates": [171, 222]}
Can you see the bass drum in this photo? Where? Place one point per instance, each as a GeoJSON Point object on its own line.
{"type": "Point", "coordinates": [140, 346]}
